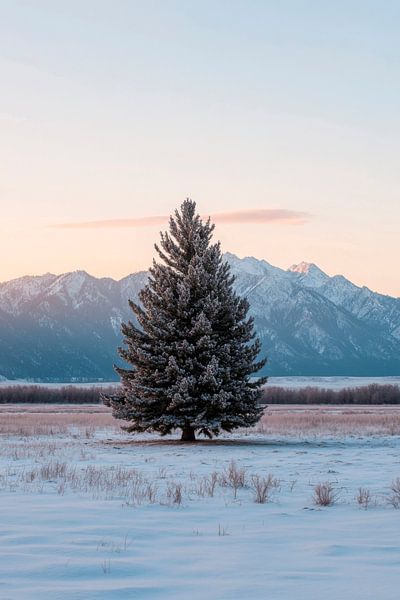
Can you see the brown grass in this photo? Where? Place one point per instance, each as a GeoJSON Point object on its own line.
{"type": "Point", "coordinates": [364, 497]}
{"type": "Point", "coordinates": [332, 420]}
{"type": "Point", "coordinates": [52, 420]}
{"type": "Point", "coordinates": [233, 477]}
{"type": "Point", "coordinates": [325, 494]}
{"type": "Point", "coordinates": [174, 492]}
{"type": "Point", "coordinates": [33, 420]}
{"type": "Point", "coordinates": [394, 498]}
{"type": "Point", "coordinates": [262, 487]}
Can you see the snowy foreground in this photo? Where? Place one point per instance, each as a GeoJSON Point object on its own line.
{"type": "Point", "coordinates": [89, 514]}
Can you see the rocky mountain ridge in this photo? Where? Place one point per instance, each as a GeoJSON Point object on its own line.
{"type": "Point", "coordinates": [67, 327]}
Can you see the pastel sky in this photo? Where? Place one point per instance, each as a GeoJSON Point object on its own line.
{"type": "Point", "coordinates": [281, 119]}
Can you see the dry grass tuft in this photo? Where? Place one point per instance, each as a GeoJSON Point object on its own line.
{"type": "Point", "coordinates": [325, 494]}
{"type": "Point", "coordinates": [394, 498]}
{"type": "Point", "coordinates": [233, 477]}
{"type": "Point", "coordinates": [174, 492]}
{"type": "Point", "coordinates": [207, 484]}
{"type": "Point", "coordinates": [262, 487]}
{"type": "Point", "coordinates": [53, 470]}
{"type": "Point", "coordinates": [364, 497]}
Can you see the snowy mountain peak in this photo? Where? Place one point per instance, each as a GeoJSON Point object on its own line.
{"type": "Point", "coordinates": [251, 265]}
{"type": "Point", "coordinates": [303, 267]}
{"type": "Point", "coordinates": [309, 274]}
{"type": "Point", "coordinates": [73, 282]}
{"type": "Point", "coordinates": [76, 288]}
{"type": "Point", "coordinates": [308, 322]}
{"type": "Point", "coordinates": [16, 293]}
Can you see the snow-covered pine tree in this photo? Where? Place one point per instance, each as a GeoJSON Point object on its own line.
{"type": "Point", "coordinates": [194, 350]}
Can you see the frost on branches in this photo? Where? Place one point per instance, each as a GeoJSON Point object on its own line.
{"type": "Point", "coordinates": [194, 350]}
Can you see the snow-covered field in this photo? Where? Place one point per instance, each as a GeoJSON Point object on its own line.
{"type": "Point", "coordinates": [295, 382]}
{"type": "Point", "coordinates": [89, 513]}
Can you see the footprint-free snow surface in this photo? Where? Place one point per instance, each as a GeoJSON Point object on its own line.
{"type": "Point", "coordinates": [102, 518]}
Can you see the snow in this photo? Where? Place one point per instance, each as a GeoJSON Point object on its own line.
{"type": "Point", "coordinates": [295, 382]}
{"type": "Point", "coordinates": [93, 547]}
{"type": "Point", "coordinates": [309, 274]}
{"type": "Point", "coordinates": [302, 267]}
{"type": "Point", "coordinates": [331, 383]}
{"type": "Point", "coordinates": [355, 328]}
{"type": "Point", "coordinates": [15, 294]}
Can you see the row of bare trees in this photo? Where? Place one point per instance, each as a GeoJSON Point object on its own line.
{"type": "Point", "coordinates": [37, 394]}
{"type": "Point", "coordinates": [70, 394]}
{"type": "Point", "coordinates": [368, 394]}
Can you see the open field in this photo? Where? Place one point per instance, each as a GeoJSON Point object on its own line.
{"type": "Point", "coordinates": [294, 382]}
{"type": "Point", "coordinates": [35, 420]}
{"type": "Point", "coordinates": [86, 507]}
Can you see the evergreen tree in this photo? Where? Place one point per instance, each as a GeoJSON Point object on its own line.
{"type": "Point", "coordinates": [194, 350]}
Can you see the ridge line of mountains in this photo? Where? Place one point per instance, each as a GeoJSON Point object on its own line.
{"type": "Point", "coordinates": [66, 327]}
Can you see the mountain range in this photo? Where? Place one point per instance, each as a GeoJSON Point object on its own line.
{"type": "Point", "coordinates": [67, 327]}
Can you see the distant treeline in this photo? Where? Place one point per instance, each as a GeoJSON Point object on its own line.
{"type": "Point", "coordinates": [368, 394]}
{"type": "Point", "coordinates": [68, 394]}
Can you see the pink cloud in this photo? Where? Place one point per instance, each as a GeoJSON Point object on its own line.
{"type": "Point", "coordinates": [263, 215]}
{"type": "Point", "coordinates": [254, 216]}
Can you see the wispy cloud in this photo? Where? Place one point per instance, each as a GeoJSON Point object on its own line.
{"type": "Point", "coordinates": [263, 215]}
{"type": "Point", "coordinates": [139, 222]}
{"type": "Point", "coordinates": [255, 216]}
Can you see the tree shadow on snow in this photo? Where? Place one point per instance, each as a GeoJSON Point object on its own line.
{"type": "Point", "coordinates": [245, 442]}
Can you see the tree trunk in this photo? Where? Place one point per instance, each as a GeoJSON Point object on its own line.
{"type": "Point", "coordinates": [188, 434]}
